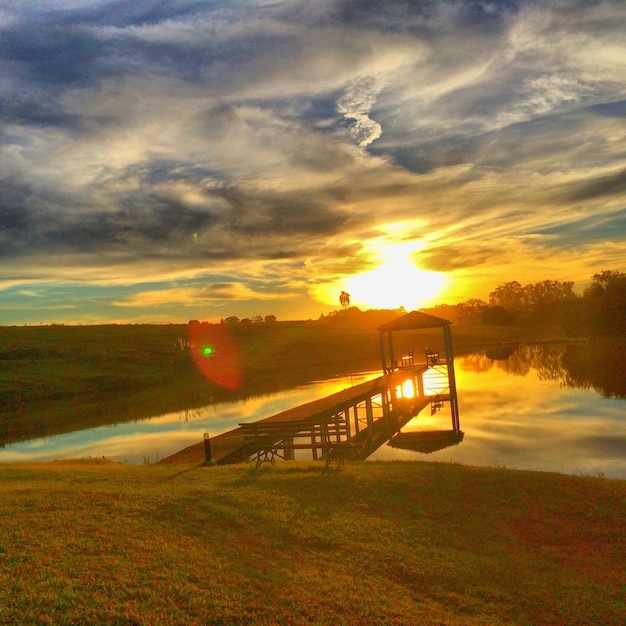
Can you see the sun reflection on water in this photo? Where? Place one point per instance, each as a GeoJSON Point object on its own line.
{"type": "Point", "coordinates": [513, 414]}
{"type": "Point", "coordinates": [519, 415]}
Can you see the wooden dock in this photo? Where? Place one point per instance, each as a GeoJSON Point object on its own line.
{"type": "Point", "coordinates": [354, 422]}
{"type": "Point", "coordinates": [359, 418]}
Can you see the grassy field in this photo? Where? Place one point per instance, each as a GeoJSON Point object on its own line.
{"type": "Point", "coordinates": [95, 542]}
{"type": "Point", "coordinates": [57, 379]}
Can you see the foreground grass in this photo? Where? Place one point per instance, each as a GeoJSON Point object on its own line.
{"type": "Point", "coordinates": [94, 542]}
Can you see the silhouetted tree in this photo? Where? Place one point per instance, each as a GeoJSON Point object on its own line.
{"type": "Point", "coordinates": [472, 310]}
{"type": "Point", "coordinates": [605, 304]}
{"type": "Point", "coordinates": [548, 293]}
{"type": "Point", "coordinates": [498, 316]}
{"type": "Point", "coordinates": [545, 302]}
{"type": "Point", "coordinates": [344, 299]}
{"type": "Point", "coordinates": [510, 296]}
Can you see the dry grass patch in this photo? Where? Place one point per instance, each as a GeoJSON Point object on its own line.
{"type": "Point", "coordinates": [394, 543]}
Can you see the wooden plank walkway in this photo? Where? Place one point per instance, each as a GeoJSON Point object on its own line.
{"type": "Point", "coordinates": [232, 446]}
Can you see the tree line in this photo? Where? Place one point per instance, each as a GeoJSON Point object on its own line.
{"type": "Point", "coordinates": [599, 311]}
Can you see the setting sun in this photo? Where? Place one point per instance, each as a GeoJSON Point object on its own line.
{"type": "Point", "coordinates": [396, 282]}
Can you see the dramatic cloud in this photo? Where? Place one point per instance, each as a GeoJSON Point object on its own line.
{"type": "Point", "coordinates": [355, 104]}
{"type": "Point", "coordinates": [195, 159]}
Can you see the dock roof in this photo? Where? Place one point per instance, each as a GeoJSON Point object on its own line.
{"type": "Point", "coordinates": [413, 321]}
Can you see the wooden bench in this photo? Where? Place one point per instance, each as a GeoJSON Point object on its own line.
{"type": "Point", "coordinates": [269, 439]}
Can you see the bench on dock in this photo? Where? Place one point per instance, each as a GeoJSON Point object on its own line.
{"type": "Point", "coordinates": [271, 439]}
{"type": "Point", "coordinates": [432, 358]}
{"type": "Point", "coordinates": [407, 360]}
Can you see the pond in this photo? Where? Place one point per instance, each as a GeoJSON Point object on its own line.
{"type": "Point", "coordinates": [538, 407]}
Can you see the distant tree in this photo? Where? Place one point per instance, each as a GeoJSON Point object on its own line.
{"type": "Point", "coordinates": [605, 304]}
{"type": "Point", "coordinates": [498, 316]}
{"type": "Point", "coordinates": [270, 319]}
{"type": "Point", "coordinates": [233, 319]}
{"type": "Point", "coordinates": [510, 296]}
{"type": "Point", "coordinates": [257, 319]}
{"type": "Point", "coordinates": [547, 294]}
{"type": "Point", "coordinates": [344, 299]}
{"type": "Point", "coordinates": [471, 310]}
{"type": "Point", "coordinates": [246, 320]}
{"type": "Point", "coordinates": [546, 302]}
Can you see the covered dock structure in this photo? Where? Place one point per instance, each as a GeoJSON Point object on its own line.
{"type": "Point", "coordinates": [354, 422]}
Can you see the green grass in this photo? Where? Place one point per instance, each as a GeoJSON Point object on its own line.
{"type": "Point", "coordinates": [56, 379]}
{"type": "Point", "coordinates": [94, 542]}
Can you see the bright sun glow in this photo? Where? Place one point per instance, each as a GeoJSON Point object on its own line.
{"type": "Point", "coordinates": [393, 285]}
{"type": "Point", "coordinates": [396, 282]}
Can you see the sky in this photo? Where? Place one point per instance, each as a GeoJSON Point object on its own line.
{"type": "Point", "coordinates": [162, 161]}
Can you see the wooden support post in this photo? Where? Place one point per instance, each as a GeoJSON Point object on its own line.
{"type": "Point", "coordinates": [391, 357]}
{"type": "Point", "coordinates": [383, 351]}
{"type": "Point", "coordinates": [314, 444]}
{"type": "Point", "coordinates": [383, 405]}
{"type": "Point", "coordinates": [207, 450]}
{"type": "Point", "coordinates": [454, 404]}
{"type": "Point", "coordinates": [420, 385]}
{"type": "Point", "coordinates": [370, 416]}
{"type": "Point", "coordinates": [337, 427]}
{"type": "Point", "coordinates": [289, 452]}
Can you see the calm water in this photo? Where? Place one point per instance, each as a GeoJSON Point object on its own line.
{"type": "Point", "coordinates": [541, 408]}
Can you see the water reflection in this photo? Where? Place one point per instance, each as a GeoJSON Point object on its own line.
{"type": "Point", "coordinates": [532, 407]}
{"type": "Point", "coordinates": [152, 439]}
{"type": "Point", "coordinates": [600, 365]}
{"type": "Point", "coordinates": [551, 408]}
{"type": "Point", "coordinates": [426, 441]}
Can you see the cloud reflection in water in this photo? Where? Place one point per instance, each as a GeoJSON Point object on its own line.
{"type": "Point", "coordinates": [516, 412]}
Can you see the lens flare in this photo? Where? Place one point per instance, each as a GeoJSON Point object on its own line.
{"type": "Point", "coordinates": [215, 353]}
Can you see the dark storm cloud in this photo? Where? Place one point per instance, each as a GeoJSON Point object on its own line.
{"type": "Point", "coordinates": [280, 214]}
{"type": "Point", "coordinates": [242, 226]}
{"type": "Point", "coordinates": [53, 55]}
{"type": "Point", "coordinates": [148, 225]}
{"type": "Point", "coordinates": [31, 111]}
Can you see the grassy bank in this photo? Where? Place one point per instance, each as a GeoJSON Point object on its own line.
{"type": "Point", "coordinates": [56, 379]}
{"type": "Point", "coordinates": [93, 542]}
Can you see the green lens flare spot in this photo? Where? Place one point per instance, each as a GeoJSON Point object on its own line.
{"type": "Point", "coordinates": [208, 351]}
